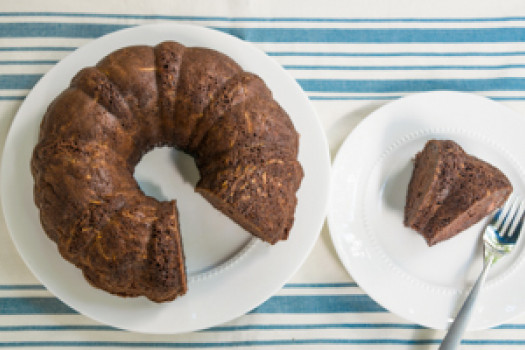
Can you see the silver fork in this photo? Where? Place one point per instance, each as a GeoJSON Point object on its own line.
{"type": "Point", "coordinates": [499, 238]}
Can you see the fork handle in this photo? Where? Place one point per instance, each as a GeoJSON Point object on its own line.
{"type": "Point", "coordinates": [457, 328]}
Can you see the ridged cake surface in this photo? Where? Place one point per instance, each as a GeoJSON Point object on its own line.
{"type": "Point", "coordinates": [135, 99]}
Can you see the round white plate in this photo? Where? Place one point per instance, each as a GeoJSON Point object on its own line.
{"type": "Point", "coordinates": [229, 272]}
{"type": "Point", "coordinates": [392, 263]}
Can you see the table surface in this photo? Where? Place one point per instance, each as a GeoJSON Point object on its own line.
{"type": "Point", "coordinates": [350, 57]}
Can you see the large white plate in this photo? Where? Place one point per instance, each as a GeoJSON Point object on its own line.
{"type": "Point", "coordinates": [229, 272]}
{"type": "Point", "coordinates": [392, 263]}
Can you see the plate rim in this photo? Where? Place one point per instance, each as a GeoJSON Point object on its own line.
{"type": "Point", "coordinates": [260, 250]}
{"type": "Point", "coordinates": [335, 231]}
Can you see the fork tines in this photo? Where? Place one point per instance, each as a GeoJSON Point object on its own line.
{"type": "Point", "coordinates": [509, 219]}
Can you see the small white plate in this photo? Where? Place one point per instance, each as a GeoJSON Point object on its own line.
{"type": "Point", "coordinates": [229, 272]}
{"type": "Point", "coordinates": [392, 263]}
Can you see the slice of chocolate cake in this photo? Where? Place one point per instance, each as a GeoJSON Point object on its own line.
{"type": "Point", "coordinates": [450, 191]}
{"type": "Point", "coordinates": [435, 169]}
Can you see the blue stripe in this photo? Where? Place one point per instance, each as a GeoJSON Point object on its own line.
{"type": "Point", "coordinates": [320, 285]}
{"type": "Point", "coordinates": [309, 304]}
{"type": "Point", "coordinates": [18, 81]}
{"type": "Point", "coordinates": [509, 98]}
{"type": "Point", "coordinates": [411, 85]}
{"type": "Point", "coordinates": [12, 98]}
{"type": "Point", "coordinates": [325, 35]}
{"type": "Point", "coordinates": [394, 97]}
{"type": "Point", "coordinates": [301, 304]}
{"type": "Point", "coordinates": [435, 67]}
{"type": "Point", "coordinates": [511, 326]}
{"type": "Point", "coordinates": [314, 326]}
{"type": "Point", "coordinates": [393, 54]}
{"type": "Point", "coordinates": [22, 286]}
{"type": "Point", "coordinates": [33, 306]}
{"type": "Point", "coordinates": [37, 48]}
{"type": "Point", "coordinates": [48, 328]}
{"type": "Point", "coordinates": [391, 97]}
{"type": "Point", "coordinates": [352, 98]}
{"type": "Point", "coordinates": [493, 342]}
{"type": "Point", "coordinates": [22, 62]}
{"type": "Point", "coordinates": [27, 81]}
{"type": "Point", "coordinates": [264, 19]}
{"type": "Point", "coordinates": [327, 67]}
{"type": "Point", "coordinates": [334, 326]}
{"type": "Point", "coordinates": [57, 30]}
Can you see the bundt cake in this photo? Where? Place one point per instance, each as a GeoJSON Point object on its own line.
{"type": "Point", "coordinates": [135, 99]}
{"type": "Point", "coordinates": [451, 190]}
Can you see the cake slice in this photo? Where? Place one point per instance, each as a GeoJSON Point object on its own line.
{"type": "Point", "coordinates": [274, 184]}
{"type": "Point", "coordinates": [435, 169]}
{"type": "Point", "coordinates": [451, 190]}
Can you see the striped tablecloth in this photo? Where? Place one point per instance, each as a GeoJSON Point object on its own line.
{"type": "Point", "coordinates": [350, 57]}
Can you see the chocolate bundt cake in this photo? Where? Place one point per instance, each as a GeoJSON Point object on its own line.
{"type": "Point", "coordinates": [450, 191]}
{"type": "Point", "coordinates": [137, 98]}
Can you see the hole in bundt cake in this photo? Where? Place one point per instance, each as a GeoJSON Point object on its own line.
{"type": "Point", "coordinates": [186, 166]}
{"type": "Point", "coordinates": [166, 174]}
{"type": "Point", "coordinates": [157, 167]}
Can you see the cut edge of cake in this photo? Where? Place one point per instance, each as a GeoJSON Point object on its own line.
{"type": "Point", "coordinates": [451, 190]}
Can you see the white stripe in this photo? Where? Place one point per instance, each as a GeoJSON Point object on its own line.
{"type": "Point", "coordinates": [25, 69]}
{"type": "Point", "coordinates": [400, 61]}
{"type": "Point", "coordinates": [52, 42]}
{"type": "Point", "coordinates": [21, 92]}
{"type": "Point", "coordinates": [276, 22]}
{"type": "Point", "coordinates": [305, 47]}
{"type": "Point", "coordinates": [24, 293]}
{"type": "Point", "coordinates": [32, 55]}
{"type": "Point", "coordinates": [42, 320]}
